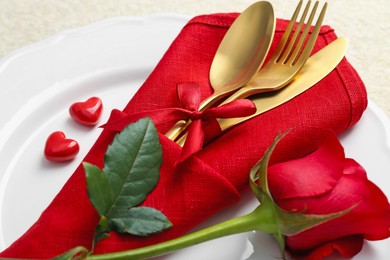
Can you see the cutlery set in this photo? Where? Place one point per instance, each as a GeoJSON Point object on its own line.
{"type": "Point", "coordinates": [237, 70]}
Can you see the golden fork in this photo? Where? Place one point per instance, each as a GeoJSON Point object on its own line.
{"type": "Point", "coordinates": [289, 57]}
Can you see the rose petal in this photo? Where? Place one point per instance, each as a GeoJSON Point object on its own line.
{"type": "Point", "coordinates": [347, 247]}
{"type": "Point", "coordinates": [369, 219]}
{"type": "Point", "coordinates": [312, 175]}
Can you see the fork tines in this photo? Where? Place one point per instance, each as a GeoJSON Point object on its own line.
{"type": "Point", "coordinates": [296, 39]}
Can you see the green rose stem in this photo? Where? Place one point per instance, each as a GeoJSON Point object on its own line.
{"type": "Point", "coordinates": [268, 217]}
{"type": "Point", "coordinates": [261, 219]}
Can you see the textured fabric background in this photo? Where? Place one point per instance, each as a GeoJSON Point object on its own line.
{"type": "Point", "coordinates": [366, 23]}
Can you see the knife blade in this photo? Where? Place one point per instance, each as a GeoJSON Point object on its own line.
{"type": "Point", "coordinates": [316, 68]}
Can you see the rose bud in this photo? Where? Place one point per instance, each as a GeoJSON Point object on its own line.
{"type": "Point", "coordinates": [326, 182]}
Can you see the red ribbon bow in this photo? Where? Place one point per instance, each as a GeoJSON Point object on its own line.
{"type": "Point", "coordinates": [189, 96]}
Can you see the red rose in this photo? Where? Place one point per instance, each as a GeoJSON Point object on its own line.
{"type": "Point", "coordinates": [326, 182]}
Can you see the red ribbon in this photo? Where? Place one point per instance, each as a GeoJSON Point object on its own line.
{"type": "Point", "coordinates": [189, 96]}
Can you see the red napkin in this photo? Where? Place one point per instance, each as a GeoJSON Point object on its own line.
{"type": "Point", "coordinates": [213, 178]}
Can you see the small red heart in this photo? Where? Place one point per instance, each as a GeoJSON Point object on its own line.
{"type": "Point", "coordinates": [60, 149]}
{"type": "Point", "coordinates": [88, 112]}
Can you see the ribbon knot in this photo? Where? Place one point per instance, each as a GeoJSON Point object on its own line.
{"type": "Point", "coordinates": [189, 97]}
{"type": "Point", "coordinates": [197, 115]}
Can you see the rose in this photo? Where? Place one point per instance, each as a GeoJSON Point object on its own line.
{"type": "Point", "coordinates": [325, 182]}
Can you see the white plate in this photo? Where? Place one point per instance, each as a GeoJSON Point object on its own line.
{"type": "Point", "coordinates": [111, 59]}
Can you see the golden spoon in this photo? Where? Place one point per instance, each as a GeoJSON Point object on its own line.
{"type": "Point", "coordinates": [240, 54]}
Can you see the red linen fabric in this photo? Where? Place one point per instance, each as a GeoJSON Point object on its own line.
{"type": "Point", "coordinates": [213, 178]}
{"type": "Point", "coordinates": [202, 122]}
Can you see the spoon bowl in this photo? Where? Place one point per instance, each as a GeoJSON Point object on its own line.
{"type": "Point", "coordinates": [242, 51]}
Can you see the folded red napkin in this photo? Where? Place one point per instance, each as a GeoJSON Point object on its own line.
{"type": "Point", "coordinates": [213, 178]}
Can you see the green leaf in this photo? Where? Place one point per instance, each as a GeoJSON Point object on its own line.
{"type": "Point", "coordinates": [293, 223]}
{"type": "Point", "coordinates": [141, 221]}
{"type": "Point", "coordinates": [253, 182]}
{"type": "Point", "coordinates": [132, 165]}
{"type": "Point", "coordinates": [98, 188]}
{"type": "Point", "coordinates": [258, 175]}
{"type": "Point", "coordinates": [131, 171]}
{"type": "Point", "coordinates": [101, 230]}
{"type": "Point", "coordinates": [72, 253]}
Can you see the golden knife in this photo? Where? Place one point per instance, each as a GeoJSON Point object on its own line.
{"type": "Point", "coordinates": [316, 68]}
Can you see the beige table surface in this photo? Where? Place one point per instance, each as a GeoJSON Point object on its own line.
{"type": "Point", "coordinates": [366, 23]}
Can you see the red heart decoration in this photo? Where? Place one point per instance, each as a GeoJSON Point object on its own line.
{"type": "Point", "coordinates": [88, 112]}
{"type": "Point", "coordinates": [60, 149]}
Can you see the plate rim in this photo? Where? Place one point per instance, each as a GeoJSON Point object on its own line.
{"type": "Point", "coordinates": [69, 33]}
